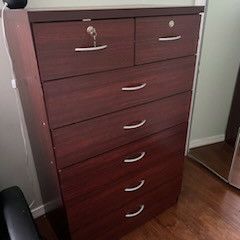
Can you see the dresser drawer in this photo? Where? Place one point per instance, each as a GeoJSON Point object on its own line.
{"type": "Point", "coordinates": [87, 139]}
{"type": "Point", "coordinates": [138, 211]}
{"type": "Point", "coordinates": [122, 163]}
{"type": "Point", "coordinates": [62, 47]}
{"type": "Point", "coordinates": [159, 38]}
{"type": "Point", "coordinates": [75, 99]}
{"type": "Point", "coordinates": [100, 204]}
{"type": "Point", "coordinates": [96, 187]}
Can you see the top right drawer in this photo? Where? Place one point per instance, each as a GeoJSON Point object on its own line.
{"type": "Point", "coordinates": [160, 38]}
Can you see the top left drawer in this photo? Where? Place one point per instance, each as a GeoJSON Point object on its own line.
{"type": "Point", "coordinates": [66, 49]}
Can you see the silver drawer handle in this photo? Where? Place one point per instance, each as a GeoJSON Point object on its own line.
{"type": "Point", "coordinates": [131, 160]}
{"type": "Point", "coordinates": [90, 48]}
{"type": "Point", "coordinates": [134, 88]}
{"type": "Point", "coordinates": [164, 39]}
{"type": "Point", "coordinates": [135, 188]}
{"type": "Point", "coordinates": [127, 127]}
{"type": "Point", "coordinates": [130, 215]}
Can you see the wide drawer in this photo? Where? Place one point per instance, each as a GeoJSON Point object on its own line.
{"type": "Point", "coordinates": [66, 48]}
{"type": "Point", "coordinates": [87, 139]}
{"type": "Point", "coordinates": [93, 189]}
{"type": "Point", "coordinates": [159, 38]}
{"type": "Point", "coordinates": [75, 99]}
{"type": "Point", "coordinates": [133, 214]}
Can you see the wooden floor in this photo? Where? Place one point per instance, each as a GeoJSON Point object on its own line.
{"type": "Point", "coordinates": [217, 157]}
{"type": "Point", "coordinates": [208, 209]}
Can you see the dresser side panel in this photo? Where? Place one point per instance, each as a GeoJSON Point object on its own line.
{"type": "Point", "coordinates": [25, 66]}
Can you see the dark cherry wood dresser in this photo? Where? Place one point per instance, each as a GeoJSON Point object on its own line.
{"type": "Point", "coordinates": [106, 95]}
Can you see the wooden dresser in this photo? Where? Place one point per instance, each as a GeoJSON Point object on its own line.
{"type": "Point", "coordinates": [106, 96]}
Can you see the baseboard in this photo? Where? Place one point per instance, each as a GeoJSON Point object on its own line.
{"type": "Point", "coordinates": [38, 211]}
{"type": "Point", "coordinates": [206, 141]}
{"type": "Point", "coordinates": [43, 209]}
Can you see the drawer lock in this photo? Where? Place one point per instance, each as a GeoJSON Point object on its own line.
{"type": "Point", "coordinates": [171, 24]}
{"type": "Point", "coordinates": [92, 32]}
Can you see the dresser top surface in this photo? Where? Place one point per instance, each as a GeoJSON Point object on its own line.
{"type": "Point", "coordinates": [111, 7]}
{"type": "Point", "coordinates": [108, 11]}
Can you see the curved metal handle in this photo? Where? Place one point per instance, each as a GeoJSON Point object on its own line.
{"type": "Point", "coordinates": [131, 160]}
{"type": "Point", "coordinates": [134, 88]}
{"type": "Point", "coordinates": [127, 127]}
{"type": "Point", "coordinates": [135, 188]}
{"type": "Point", "coordinates": [165, 39]}
{"type": "Point", "coordinates": [130, 215]}
{"type": "Point", "coordinates": [88, 49]}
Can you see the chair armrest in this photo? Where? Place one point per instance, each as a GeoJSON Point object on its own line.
{"type": "Point", "coordinates": [17, 216]}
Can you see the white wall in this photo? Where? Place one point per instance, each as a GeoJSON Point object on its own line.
{"type": "Point", "coordinates": [218, 70]}
{"type": "Point", "coordinates": [13, 167]}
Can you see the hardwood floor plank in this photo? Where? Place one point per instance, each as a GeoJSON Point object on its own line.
{"type": "Point", "coordinates": [45, 229]}
{"type": "Point", "coordinates": [221, 197]}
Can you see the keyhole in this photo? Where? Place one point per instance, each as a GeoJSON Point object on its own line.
{"type": "Point", "coordinates": [92, 31]}
{"type": "Point", "coordinates": [171, 24]}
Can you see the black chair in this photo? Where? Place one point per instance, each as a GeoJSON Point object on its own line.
{"type": "Point", "coordinates": [16, 221]}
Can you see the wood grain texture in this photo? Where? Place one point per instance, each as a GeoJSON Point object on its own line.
{"type": "Point", "coordinates": [149, 30]}
{"type": "Point", "coordinates": [89, 213]}
{"type": "Point", "coordinates": [115, 224]}
{"type": "Point", "coordinates": [56, 43]}
{"type": "Point", "coordinates": [87, 139]}
{"type": "Point", "coordinates": [207, 209]}
{"type": "Point", "coordinates": [52, 15]}
{"type": "Point", "coordinates": [45, 229]}
{"type": "Point", "coordinates": [75, 99]}
{"type": "Point", "coordinates": [95, 174]}
{"type": "Point", "coordinates": [93, 189]}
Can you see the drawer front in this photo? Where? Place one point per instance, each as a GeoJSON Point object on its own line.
{"type": "Point", "coordinates": [87, 139]}
{"type": "Point", "coordinates": [122, 163]}
{"type": "Point", "coordinates": [62, 47]}
{"type": "Point", "coordinates": [159, 38]}
{"type": "Point", "coordinates": [91, 192]}
{"type": "Point", "coordinates": [145, 207]}
{"type": "Point", "coordinates": [75, 99]}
